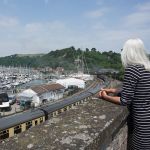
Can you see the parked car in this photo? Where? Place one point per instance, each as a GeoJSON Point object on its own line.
{"type": "Point", "coordinates": [4, 102]}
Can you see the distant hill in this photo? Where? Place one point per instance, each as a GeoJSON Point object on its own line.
{"type": "Point", "coordinates": [30, 55]}
{"type": "Point", "coordinates": [66, 57]}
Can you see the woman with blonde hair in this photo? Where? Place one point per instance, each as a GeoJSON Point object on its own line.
{"type": "Point", "coordinates": [135, 94]}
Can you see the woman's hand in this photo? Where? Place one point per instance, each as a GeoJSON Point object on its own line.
{"type": "Point", "coordinates": [103, 94]}
{"type": "Point", "coordinates": [111, 90]}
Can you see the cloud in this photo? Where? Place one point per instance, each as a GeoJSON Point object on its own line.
{"type": "Point", "coordinates": [46, 1]}
{"type": "Point", "coordinates": [36, 37]}
{"type": "Point", "coordinates": [98, 26]}
{"type": "Point", "coordinates": [56, 25]}
{"type": "Point", "coordinates": [7, 22]}
{"type": "Point", "coordinates": [33, 27]}
{"type": "Point", "coordinates": [134, 25]}
{"type": "Point", "coordinates": [140, 18]}
{"type": "Point", "coordinates": [99, 2]}
{"type": "Point", "coordinates": [42, 37]}
{"type": "Point", "coordinates": [96, 13]}
{"type": "Point", "coordinates": [143, 7]}
{"type": "Point", "coordinates": [37, 26]}
{"type": "Point", "coordinates": [5, 2]}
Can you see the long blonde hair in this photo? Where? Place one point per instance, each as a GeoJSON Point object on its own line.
{"type": "Point", "coordinates": [134, 53]}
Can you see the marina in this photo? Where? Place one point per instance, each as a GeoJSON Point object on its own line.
{"type": "Point", "coordinates": [14, 77]}
{"type": "Point", "coordinates": [27, 88]}
{"type": "Point", "coordinates": [14, 80]}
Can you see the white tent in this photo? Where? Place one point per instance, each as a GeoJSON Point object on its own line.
{"type": "Point", "coordinates": [71, 81]}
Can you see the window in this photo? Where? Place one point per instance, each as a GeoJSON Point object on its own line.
{"type": "Point", "coordinates": [41, 120]}
{"type": "Point", "coordinates": [17, 129]}
{"type": "Point", "coordinates": [4, 134]}
{"type": "Point", "coordinates": [36, 122]}
{"type": "Point", "coordinates": [4, 97]}
{"type": "Point", "coordinates": [28, 124]}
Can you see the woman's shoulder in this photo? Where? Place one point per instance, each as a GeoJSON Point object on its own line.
{"type": "Point", "coordinates": [135, 67]}
{"type": "Point", "coordinates": [134, 70]}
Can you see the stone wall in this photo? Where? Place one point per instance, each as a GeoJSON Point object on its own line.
{"type": "Point", "coordinates": [93, 125]}
{"type": "Point", "coordinates": [120, 140]}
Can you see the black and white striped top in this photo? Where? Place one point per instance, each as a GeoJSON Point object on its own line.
{"type": "Point", "coordinates": [136, 95]}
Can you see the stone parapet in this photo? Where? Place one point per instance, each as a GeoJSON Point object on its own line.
{"type": "Point", "coordinates": [93, 125]}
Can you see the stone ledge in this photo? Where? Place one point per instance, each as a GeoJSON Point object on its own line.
{"type": "Point", "coordinates": [90, 126]}
{"type": "Point", "coordinates": [120, 140]}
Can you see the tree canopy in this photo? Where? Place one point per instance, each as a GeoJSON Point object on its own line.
{"type": "Point", "coordinates": [65, 58]}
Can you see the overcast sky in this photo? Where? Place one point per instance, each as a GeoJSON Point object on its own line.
{"type": "Point", "coordinates": [39, 26]}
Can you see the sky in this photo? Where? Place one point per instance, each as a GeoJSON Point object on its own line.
{"type": "Point", "coordinates": [40, 26]}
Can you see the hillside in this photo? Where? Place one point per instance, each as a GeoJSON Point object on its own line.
{"type": "Point", "coordinates": [30, 55]}
{"type": "Point", "coordinates": [93, 58]}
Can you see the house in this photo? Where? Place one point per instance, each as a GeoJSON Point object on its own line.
{"type": "Point", "coordinates": [42, 93]}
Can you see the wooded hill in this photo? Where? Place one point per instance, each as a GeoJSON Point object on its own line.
{"type": "Point", "coordinates": [66, 57]}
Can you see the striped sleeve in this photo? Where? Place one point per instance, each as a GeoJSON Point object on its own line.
{"type": "Point", "coordinates": [131, 77]}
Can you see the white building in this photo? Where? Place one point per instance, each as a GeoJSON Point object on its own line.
{"type": "Point", "coordinates": [41, 93]}
{"type": "Point", "coordinates": [71, 81]}
{"type": "Point", "coordinates": [82, 76]}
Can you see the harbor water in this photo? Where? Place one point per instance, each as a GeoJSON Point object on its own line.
{"type": "Point", "coordinates": [32, 83]}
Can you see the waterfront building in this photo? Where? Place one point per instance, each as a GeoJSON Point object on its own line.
{"type": "Point", "coordinates": [42, 93]}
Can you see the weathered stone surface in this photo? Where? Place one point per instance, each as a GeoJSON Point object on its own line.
{"type": "Point", "coordinates": [91, 125]}
{"type": "Point", "coordinates": [120, 140]}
